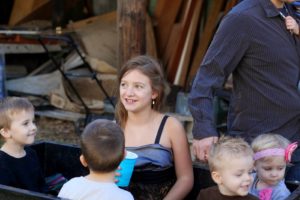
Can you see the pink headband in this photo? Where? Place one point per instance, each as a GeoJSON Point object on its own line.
{"type": "Point", "coordinates": [287, 152]}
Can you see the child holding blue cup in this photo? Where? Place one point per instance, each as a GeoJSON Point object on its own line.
{"type": "Point", "coordinates": [126, 169]}
{"type": "Point", "coordinates": [102, 146]}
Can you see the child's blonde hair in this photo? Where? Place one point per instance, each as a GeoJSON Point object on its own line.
{"type": "Point", "coordinates": [227, 147]}
{"type": "Point", "coordinates": [10, 106]}
{"type": "Point", "coordinates": [269, 141]}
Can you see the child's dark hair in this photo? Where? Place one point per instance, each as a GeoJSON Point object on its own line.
{"type": "Point", "coordinates": [102, 145]}
{"type": "Point", "coordinates": [10, 106]}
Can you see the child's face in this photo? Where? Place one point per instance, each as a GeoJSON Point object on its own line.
{"type": "Point", "coordinates": [136, 91]}
{"type": "Point", "coordinates": [22, 130]}
{"type": "Point", "coordinates": [235, 176]}
{"type": "Point", "coordinates": [271, 171]}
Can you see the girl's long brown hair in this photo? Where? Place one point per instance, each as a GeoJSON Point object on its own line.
{"type": "Point", "coordinates": [150, 68]}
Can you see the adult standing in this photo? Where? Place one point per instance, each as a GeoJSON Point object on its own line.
{"type": "Point", "coordinates": [258, 42]}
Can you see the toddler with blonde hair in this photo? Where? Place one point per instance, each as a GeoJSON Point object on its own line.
{"type": "Point", "coordinates": [231, 164]}
{"type": "Point", "coordinates": [272, 153]}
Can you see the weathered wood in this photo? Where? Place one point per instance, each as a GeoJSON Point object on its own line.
{"type": "Point", "coordinates": [46, 66]}
{"type": "Point", "coordinates": [206, 36]}
{"type": "Point", "coordinates": [165, 15]}
{"type": "Point", "coordinates": [108, 17]}
{"type": "Point", "coordinates": [29, 9]}
{"type": "Point", "coordinates": [15, 71]}
{"type": "Point", "coordinates": [87, 87]}
{"type": "Point", "coordinates": [181, 74]}
{"type": "Point", "coordinates": [99, 37]}
{"type": "Point", "coordinates": [100, 66]}
{"type": "Point", "coordinates": [173, 40]}
{"type": "Point", "coordinates": [35, 85]}
{"type": "Point", "coordinates": [60, 114]}
{"type": "Point", "coordinates": [131, 29]}
{"type": "Point", "coordinates": [65, 99]}
{"type": "Point", "coordinates": [184, 25]}
{"type": "Point", "coordinates": [28, 48]}
{"type": "Point", "coordinates": [150, 38]}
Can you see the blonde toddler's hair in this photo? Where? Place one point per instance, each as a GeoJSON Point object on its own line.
{"type": "Point", "coordinates": [269, 141]}
{"type": "Point", "coordinates": [227, 147]}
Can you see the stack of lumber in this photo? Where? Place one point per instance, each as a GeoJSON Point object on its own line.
{"type": "Point", "coordinates": [184, 30]}
{"type": "Point", "coordinates": [177, 32]}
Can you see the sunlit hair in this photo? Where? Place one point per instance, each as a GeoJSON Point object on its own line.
{"type": "Point", "coordinates": [102, 145]}
{"type": "Point", "coordinates": [268, 141]}
{"type": "Point", "coordinates": [11, 106]}
{"type": "Point", "coordinates": [226, 148]}
{"type": "Point", "coordinates": [150, 68]}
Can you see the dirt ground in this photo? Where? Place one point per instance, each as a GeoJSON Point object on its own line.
{"type": "Point", "coordinates": [56, 130]}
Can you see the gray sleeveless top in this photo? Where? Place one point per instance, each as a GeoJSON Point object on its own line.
{"type": "Point", "coordinates": [153, 157]}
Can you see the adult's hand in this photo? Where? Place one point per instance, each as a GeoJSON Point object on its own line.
{"type": "Point", "coordinates": [292, 25]}
{"type": "Point", "coordinates": [201, 147]}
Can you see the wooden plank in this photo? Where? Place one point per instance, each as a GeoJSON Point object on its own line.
{"type": "Point", "coordinates": [15, 71]}
{"type": "Point", "coordinates": [101, 66]}
{"type": "Point", "coordinates": [60, 114]}
{"type": "Point", "coordinates": [165, 15]}
{"type": "Point", "coordinates": [29, 9]}
{"type": "Point", "coordinates": [206, 36]}
{"type": "Point", "coordinates": [173, 40]}
{"type": "Point", "coordinates": [48, 65]}
{"type": "Point", "coordinates": [108, 17]}
{"type": "Point", "coordinates": [35, 85]}
{"type": "Point", "coordinates": [28, 48]}
{"type": "Point", "coordinates": [99, 38]}
{"type": "Point", "coordinates": [20, 9]}
{"type": "Point", "coordinates": [184, 24]}
{"type": "Point", "coordinates": [185, 58]}
{"type": "Point", "coordinates": [65, 99]}
{"type": "Point", "coordinates": [82, 79]}
{"type": "Point", "coordinates": [150, 38]}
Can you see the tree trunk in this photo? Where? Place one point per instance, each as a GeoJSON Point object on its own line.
{"type": "Point", "coordinates": [131, 29]}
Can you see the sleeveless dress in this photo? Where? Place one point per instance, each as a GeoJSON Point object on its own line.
{"type": "Point", "coordinates": [154, 173]}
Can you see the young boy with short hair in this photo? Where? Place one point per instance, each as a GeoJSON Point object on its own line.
{"type": "Point", "coordinates": [231, 164]}
{"type": "Point", "coordinates": [103, 147]}
{"type": "Point", "coordinates": [19, 165]}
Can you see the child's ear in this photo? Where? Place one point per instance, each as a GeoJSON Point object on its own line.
{"type": "Point", "coordinates": [217, 178]}
{"type": "Point", "coordinates": [5, 133]}
{"type": "Point", "coordinates": [124, 154]}
{"type": "Point", "coordinates": [82, 160]}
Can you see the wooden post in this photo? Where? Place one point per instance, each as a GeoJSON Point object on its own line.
{"type": "Point", "coordinates": [131, 21]}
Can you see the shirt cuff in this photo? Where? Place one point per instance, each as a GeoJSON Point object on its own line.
{"type": "Point", "coordinates": [204, 129]}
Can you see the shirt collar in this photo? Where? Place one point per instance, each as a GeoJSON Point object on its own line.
{"type": "Point", "coordinates": [269, 8]}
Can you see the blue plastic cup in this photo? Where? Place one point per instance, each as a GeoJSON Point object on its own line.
{"type": "Point", "coordinates": [127, 166]}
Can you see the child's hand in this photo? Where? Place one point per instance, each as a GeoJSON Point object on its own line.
{"type": "Point", "coordinates": [117, 174]}
{"type": "Point", "coordinates": [292, 25]}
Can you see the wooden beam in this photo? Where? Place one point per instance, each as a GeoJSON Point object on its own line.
{"type": "Point", "coordinates": [29, 9]}
{"type": "Point", "coordinates": [150, 38]}
{"type": "Point", "coordinates": [131, 27]}
{"type": "Point", "coordinates": [164, 16]}
{"type": "Point", "coordinates": [182, 70]}
{"type": "Point", "coordinates": [184, 25]}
